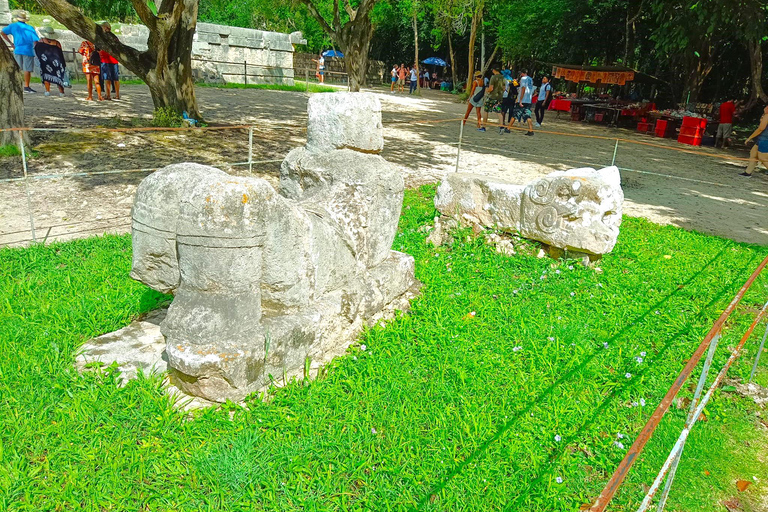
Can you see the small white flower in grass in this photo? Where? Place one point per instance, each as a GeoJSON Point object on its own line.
{"type": "Point", "coordinates": [657, 312]}
{"type": "Point", "coordinates": [373, 431]}
{"type": "Point", "coordinates": [354, 358]}
{"type": "Point", "coordinates": [557, 271]}
{"type": "Point", "coordinates": [559, 480]}
{"type": "Point", "coordinates": [515, 291]}
{"type": "Point", "coordinates": [363, 347]}
{"type": "Point", "coordinates": [605, 345]}
{"type": "Point", "coordinates": [570, 267]}
{"type": "Point", "coordinates": [642, 354]}
{"type": "Point", "coordinates": [559, 318]}
{"type": "Point", "coordinates": [635, 404]}
{"type": "Point", "coordinates": [600, 285]}
{"type": "Point", "coordinates": [517, 348]}
{"type": "Point", "coordinates": [639, 359]}
{"type": "Point", "coordinates": [551, 338]}
{"type": "Point", "coordinates": [573, 294]}
{"type": "Point", "coordinates": [542, 277]}
{"type": "Point", "coordinates": [619, 435]}
{"type": "Point", "coordinates": [558, 438]}
{"type": "Point", "coordinates": [628, 375]}
{"type": "Point", "coordinates": [642, 402]}
{"type": "Point", "coordinates": [618, 445]}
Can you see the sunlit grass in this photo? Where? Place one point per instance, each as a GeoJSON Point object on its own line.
{"type": "Point", "coordinates": [443, 410]}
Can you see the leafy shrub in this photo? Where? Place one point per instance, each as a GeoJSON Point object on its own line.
{"type": "Point", "coordinates": [166, 117]}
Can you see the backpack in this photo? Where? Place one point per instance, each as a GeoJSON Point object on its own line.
{"type": "Point", "coordinates": [95, 58]}
{"type": "Point", "coordinates": [548, 97]}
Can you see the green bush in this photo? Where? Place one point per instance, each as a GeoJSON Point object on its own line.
{"type": "Point", "coordinates": [166, 117]}
{"type": "Point", "coordinates": [9, 150]}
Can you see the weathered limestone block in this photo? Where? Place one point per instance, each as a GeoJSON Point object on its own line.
{"type": "Point", "coordinates": [577, 210]}
{"type": "Point", "coordinates": [264, 279]}
{"type": "Point", "coordinates": [345, 120]}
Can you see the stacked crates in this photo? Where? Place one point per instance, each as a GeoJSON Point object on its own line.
{"type": "Point", "coordinates": [664, 128]}
{"type": "Point", "coordinates": [692, 131]}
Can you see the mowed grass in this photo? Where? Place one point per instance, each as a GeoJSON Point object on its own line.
{"type": "Point", "coordinates": [440, 409]}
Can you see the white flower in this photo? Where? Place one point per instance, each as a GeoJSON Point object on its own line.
{"type": "Point", "coordinates": [628, 375]}
{"type": "Point", "coordinates": [363, 347]}
{"type": "Point", "coordinates": [559, 480]}
{"type": "Point", "coordinates": [635, 404]}
{"type": "Point", "coordinates": [618, 445]}
{"type": "Point", "coordinates": [639, 360]}
{"type": "Point", "coordinates": [542, 277]}
{"type": "Point", "coordinates": [642, 402]}
{"type": "Point", "coordinates": [600, 285]}
{"type": "Point", "coordinates": [558, 438]}
{"type": "Point", "coordinates": [619, 435]}
{"type": "Point", "coordinates": [557, 271]}
{"type": "Point", "coordinates": [657, 311]}
{"type": "Point", "coordinates": [515, 349]}
{"type": "Point", "coordinates": [573, 294]}
{"type": "Point", "coordinates": [642, 353]}
{"type": "Point", "coordinates": [373, 431]}
{"type": "Point", "coordinates": [515, 291]}
{"type": "Point", "coordinates": [605, 345]}
{"type": "Point", "coordinates": [570, 267]}
{"type": "Point", "coordinates": [551, 338]}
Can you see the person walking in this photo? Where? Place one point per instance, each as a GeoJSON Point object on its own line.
{"type": "Point", "coordinates": [51, 59]}
{"type": "Point", "coordinates": [522, 110]}
{"type": "Point", "coordinates": [725, 127]}
{"type": "Point", "coordinates": [110, 70]}
{"type": "Point", "coordinates": [393, 74]}
{"type": "Point", "coordinates": [401, 78]}
{"type": "Point", "coordinates": [414, 79]}
{"type": "Point", "coordinates": [759, 151]}
{"type": "Point", "coordinates": [320, 73]}
{"type": "Point", "coordinates": [91, 68]}
{"type": "Point", "coordinates": [494, 96]}
{"type": "Point", "coordinates": [545, 96]}
{"type": "Point", "coordinates": [509, 97]}
{"type": "Point", "coordinates": [475, 99]}
{"type": "Point", "coordinates": [24, 38]}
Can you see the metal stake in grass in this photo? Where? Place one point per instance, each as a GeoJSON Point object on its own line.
{"type": "Point", "coordinates": [615, 149]}
{"type": "Point", "coordinates": [26, 187]}
{"type": "Point", "coordinates": [458, 152]}
{"type": "Point", "coordinates": [757, 357]}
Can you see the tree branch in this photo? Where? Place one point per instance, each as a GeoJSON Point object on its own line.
{"type": "Point", "coordinates": [336, 17]}
{"type": "Point", "coordinates": [365, 7]}
{"type": "Point", "coordinates": [319, 17]}
{"type": "Point", "coordinates": [348, 7]}
{"type": "Point", "coordinates": [144, 13]}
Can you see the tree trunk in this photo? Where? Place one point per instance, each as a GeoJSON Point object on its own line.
{"type": "Point", "coordinates": [355, 41]}
{"type": "Point", "coordinates": [416, 47]}
{"type": "Point", "coordinates": [453, 61]}
{"type": "Point", "coordinates": [472, 40]}
{"type": "Point", "coordinates": [166, 65]}
{"type": "Point", "coordinates": [11, 96]}
{"type": "Point", "coordinates": [488, 62]}
{"type": "Point", "coordinates": [756, 73]}
{"type": "Point", "coordinates": [697, 70]}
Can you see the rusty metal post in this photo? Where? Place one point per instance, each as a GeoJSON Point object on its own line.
{"type": "Point", "coordinates": [691, 411]}
{"type": "Point", "coordinates": [757, 357]}
{"type": "Point", "coordinates": [631, 457]}
{"type": "Point", "coordinates": [26, 186]}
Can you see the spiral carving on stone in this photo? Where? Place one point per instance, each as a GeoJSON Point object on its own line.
{"type": "Point", "coordinates": [547, 219]}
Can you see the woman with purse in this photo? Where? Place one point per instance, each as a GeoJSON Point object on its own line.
{"type": "Point", "coordinates": [475, 100]}
{"type": "Point", "coordinates": [91, 68]}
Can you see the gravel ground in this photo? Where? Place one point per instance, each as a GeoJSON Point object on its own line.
{"type": "Point", "coordinates": [666, 182]}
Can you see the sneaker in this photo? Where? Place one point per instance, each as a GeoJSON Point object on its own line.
{"type": "Point", "coordinates": [61, 95]}
{"type": "Point", "coordinates": [506, 130]}
{"type": "Point", "coordinates": [501, 130]}
{"type": "Point", "coordinates": [530, 134]}
{"type": "Point", "coordinates": [536, 125]}
{"type": "Point", "coordinates": [47, 93]}
{"type": "Point", "coordinates": [29, 89]}
{"type": "Point", "coordinates": [481, 129]}
{"type": "Point", "coordinates": [745, 174]}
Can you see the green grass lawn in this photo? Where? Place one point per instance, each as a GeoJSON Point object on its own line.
{"type": "Point", "coordinates": [440, 409]}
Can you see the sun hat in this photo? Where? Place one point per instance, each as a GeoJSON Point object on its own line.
{"type": "Point", "coordinates": [46, 31]}
{"type": "Point", "coordinates": [21, 16]}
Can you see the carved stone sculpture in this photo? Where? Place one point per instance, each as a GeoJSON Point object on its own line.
{"type": "Point", "coordinates": [578, 210]}
{"type": "Point", "coordinates": [265, 280]}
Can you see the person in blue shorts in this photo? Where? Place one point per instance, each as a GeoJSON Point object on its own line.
{"type": "Point", "coordinates": [759, 151]}
{"type": "Point", "coordinates": [24, 39]}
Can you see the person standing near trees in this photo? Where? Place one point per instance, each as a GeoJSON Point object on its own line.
{"type": "Point", "coordinates": [725, 127]}
{"type": "Point", "coordinates": [522, 111]}
{"type": "Point", "coordinates": [414, 79]}
{"type": "Point", "coordinates": [394, 79]}
{"type": "Point", "coordinates": [545, 96]}
{"type": "Point", "coordinates": [91, 68]}
{"type": "Point", "coordinates": [24, 38]}
{"type": "Point", "coordinates": [475, 100]}
{"type": "Point", "coordinates": [493, 97]}
{"type": "Point", "coordinates": [110, 70]}
{"type": "Point", "coordinates": [401, 78]}
{"type": "Point", "coordinates": [320, 74]}
{"type": "Point", "coordinates": [759, 151]}
{"type": "Point", "coordinates": [51, 59]}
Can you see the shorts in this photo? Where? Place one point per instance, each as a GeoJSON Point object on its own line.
{"type": "Point", "coordinates": [401, 81]}
{"type": "Point", "coordinates": [724, 131]}
{"type": "Point", "coordinates": [762, 145]}
{"type": "Point", "coordinates": [493, 105]}
{"type": "Point", "coordinates": [110, 72]}
{"type": "Point", "coordinates": [394, 79]}
{"type": "Point", "coordinates": [25, 62]}
{"type": "Point", "coordinates": [523, 113]}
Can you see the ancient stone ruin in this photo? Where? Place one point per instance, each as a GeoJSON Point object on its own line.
{"type": "Point", "coordinates": [577, 210]}
{"type": "Point", "coordinates": [266, 280]}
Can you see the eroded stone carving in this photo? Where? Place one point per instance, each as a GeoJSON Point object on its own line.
{"type": "Point", "coordinates": [578, 210]}
{"type": "Point", "coordinates": [264, 279]}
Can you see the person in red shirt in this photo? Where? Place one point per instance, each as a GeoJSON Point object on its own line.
{"type": "Point", "coordinates": [110, 71]}
{"type": "Point", "coordinates": [725, 128]}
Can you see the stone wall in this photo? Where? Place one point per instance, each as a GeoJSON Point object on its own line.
{"type": "Point", "coordinates": [302, 62]}
{"type": "Point", "coordinates": [219, 54]}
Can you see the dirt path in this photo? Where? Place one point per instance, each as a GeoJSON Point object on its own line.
{"type": "Point", "coordinates": [697, 189]}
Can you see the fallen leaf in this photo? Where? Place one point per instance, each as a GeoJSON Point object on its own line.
{"type": "Point", "coordinates": [585, 506]}
{"type": "Point", "coordinates": [743, 484]}
{"type": "Point", "coordinates": [733, 505]}
{"type": "Point", "coordinates": [706, 472]}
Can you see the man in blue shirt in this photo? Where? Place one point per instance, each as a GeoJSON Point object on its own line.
{"type": "Point", "coordinates": [545, 95]}
{"type": "Point", "coordinates": [522, 111]}
{"type": "Point", "coordinates": [24, 39]}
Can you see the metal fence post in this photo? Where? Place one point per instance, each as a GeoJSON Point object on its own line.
{"type": "Point", "coordinates": [458, 152]}
{"type": "Point", "coordinates": [245, 72]}
{"type": "Point", "coordinates": [250, 150]}
{"type": "Point", "coordinates": [691, 413]}
{"type": "Point", "coordinates": [74, 61]}
{"type": "Point", "coordinates": [615, 150]}
{"type": "Point", "coordinates": [26, 186]}
{"type": "Point", "coordinates": [306, 79]}
{"type": "Point", "coordinates": [757, 357]}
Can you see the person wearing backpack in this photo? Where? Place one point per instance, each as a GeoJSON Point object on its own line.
{"type": "Point", "coordinates": [545, 97]}
{"type": "Point", "coordinates": [91, 68]}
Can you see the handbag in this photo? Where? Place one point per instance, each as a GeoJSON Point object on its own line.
{"type": "Point", "coordinates": [479, 96]}
{"type": "Point", "coordinates": [95, 58]}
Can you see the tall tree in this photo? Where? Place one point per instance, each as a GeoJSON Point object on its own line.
{"type": "Point", "coordinates": [11, 96]}
{"type": "Point", "coordinates": [166, 65]}
{"type": "Point", "coordinates": [352, 31]}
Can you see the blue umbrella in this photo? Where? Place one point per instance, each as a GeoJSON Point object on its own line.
{"type": "Point", "coordinates": [333, 53]}
{"type": "Point", "coordinates": [435, 61]}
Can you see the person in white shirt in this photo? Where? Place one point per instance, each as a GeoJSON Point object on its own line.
{"type": "Point", "coordinates": [394, 79]}
{"type": "Point", "coordinates": [545, 96]}
{"type": "Point", "coordinates": [320, 74]}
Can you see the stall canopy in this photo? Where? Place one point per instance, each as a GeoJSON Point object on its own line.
{"type": "Point", "coordinates": [600, 75]}
{"type": "Point", "coordinates": [333, 53]}
{"type": "Point", "coordinates": [436, 61]}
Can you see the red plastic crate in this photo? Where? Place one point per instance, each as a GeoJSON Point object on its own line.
{"type": "Point", "coordinates": [644, 127]}
{"type": "Point", "coordinates": [691, 141]}
{"type": "Point", "coordinates": [691, 131]}
{"type": "Point", "coordinates": [599, 117]}
{"type": "Point", "coordinates": [663, 128]}
{"type": "Point", "coordinates": [697, 122]}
